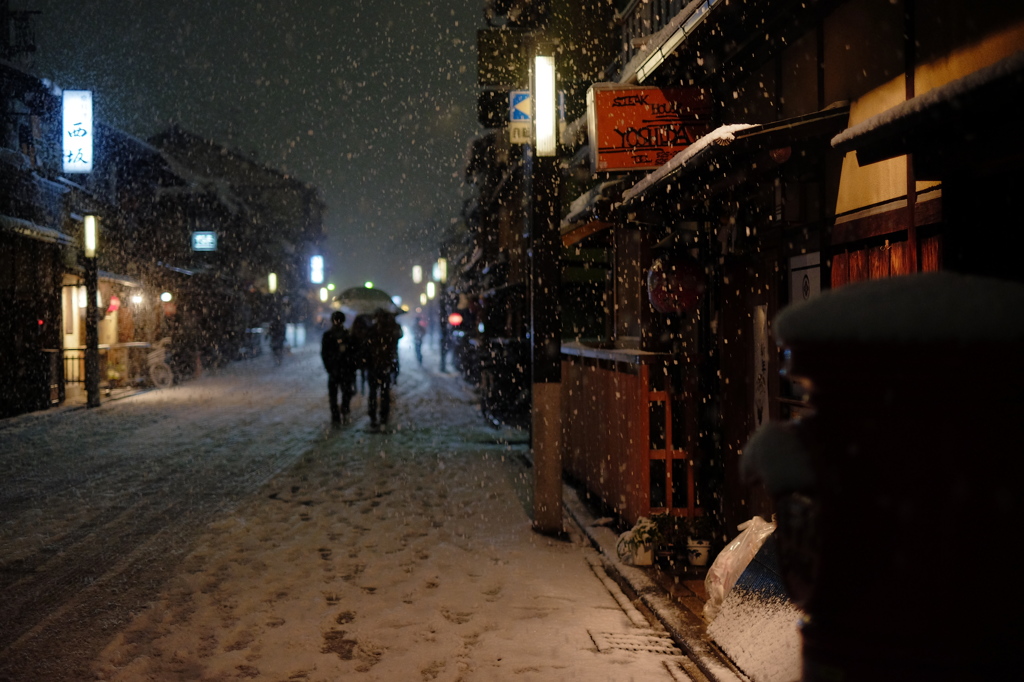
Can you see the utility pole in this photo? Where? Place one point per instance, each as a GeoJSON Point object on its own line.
{"type": "Point", "coordinates": [92, 336]}
{"type": "Point", "coordinates": [545, 279]}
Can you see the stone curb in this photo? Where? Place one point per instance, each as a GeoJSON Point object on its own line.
{"type": "Point", "coordinates": [688, 630]}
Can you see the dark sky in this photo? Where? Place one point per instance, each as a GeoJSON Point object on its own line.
{"type": "Point", "coordinates": [371, 100]}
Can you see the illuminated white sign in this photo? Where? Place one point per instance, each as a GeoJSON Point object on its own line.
{"type": "Point", "coordinates": [316, 269]}
{"type": "Point", "coordinates": [204, 241]}
{"type": "Point", "coordinates": [77, 131]}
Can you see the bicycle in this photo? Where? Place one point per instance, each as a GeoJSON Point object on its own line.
{"type": "Point", "coordinates": [160, 372]}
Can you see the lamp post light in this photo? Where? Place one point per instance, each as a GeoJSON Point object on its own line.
{"type": "Point", "coordinates": [272, 282]}
{"type": "Point", "coordinates": [90, 245]}
{"type": "Point", "coordinates": [439, 273]}
{"type": "Point", "coordinates": [542, 180]}
{"type": "Point", "coordinates": [417, 274]}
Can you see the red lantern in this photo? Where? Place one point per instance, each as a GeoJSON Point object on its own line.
{"type": "Point", "coordinates": [455, 319]}
{"type": "Point", "coordinates": [675, 286]}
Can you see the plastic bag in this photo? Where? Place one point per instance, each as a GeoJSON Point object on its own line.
{"type": "Point", "coordinates": [729, 565]}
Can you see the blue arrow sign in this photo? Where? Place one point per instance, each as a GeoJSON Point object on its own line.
{"type": "Point", "coordinates": [519, 105]}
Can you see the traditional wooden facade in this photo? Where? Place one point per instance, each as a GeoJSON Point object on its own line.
{"type": "Point", "coordinates": [850, 140]}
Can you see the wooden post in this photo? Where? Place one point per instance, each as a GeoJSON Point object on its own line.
{"type": "Point", "coordinates": [545, 343]}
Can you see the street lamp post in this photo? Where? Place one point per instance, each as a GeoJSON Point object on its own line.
{"type": "Point", "coordinates": [545, 279]}
{"type": "Point", "coordinates": [440, 274]}
{"type": "Point", "coordinates": [92, 338]}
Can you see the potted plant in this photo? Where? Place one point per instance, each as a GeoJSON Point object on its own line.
{"type": "Point", "coordinates": [700, 531]}
{"type": "Point", "coordinates": [636, 546]}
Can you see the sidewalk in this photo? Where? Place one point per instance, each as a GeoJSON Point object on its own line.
{"type": "Point", "coordinates": [676, 602]}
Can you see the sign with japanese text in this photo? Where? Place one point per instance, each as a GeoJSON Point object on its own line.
{"type": "Point", "coordinates": [316, 269]}
{"type": "Point", "coordinates": [636, 127]}
{"type": "Point", "coordinates": [520, 120]}
{"type": "Point", "coordinates": [77, 131]}
{"type": "Point", "coordinates": [204, 241]}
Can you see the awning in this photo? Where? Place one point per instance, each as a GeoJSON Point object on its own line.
{"type": "Point", "coordinates": [976, 111]}
{"type": "Point", "coordinates": [591, 212]}
{"type": "Point", "coordinates": [663, 43]}
{"type": "Point", "coordinates": [27, 228]}
{"type": "Point", "coordinates": [730, 146]}
{"type": "Point", "coordinates": [118, 279]}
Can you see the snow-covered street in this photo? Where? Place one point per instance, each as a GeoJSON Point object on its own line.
{"type": "Point", "coordinates": [221, 530]}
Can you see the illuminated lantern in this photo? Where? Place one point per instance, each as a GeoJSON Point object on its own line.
{"type": "Point", "coordinates": [675, 286]}
{"type": "Point", "coordinates": [455, 319]}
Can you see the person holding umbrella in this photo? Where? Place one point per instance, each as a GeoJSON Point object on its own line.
{"type": "Point", "coordinates": [338, 354]}
{"type": "Point", "coordinates": [382, 363]}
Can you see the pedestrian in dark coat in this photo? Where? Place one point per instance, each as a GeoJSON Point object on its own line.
{"type": "Point", "coordinates": [360, 328]}
{"type": "Point", "coordinates": [420, 331]}
{"type": "Point", "coordinates": [382, 359]}
{"type": "Point", "coordinates": [338, 354]}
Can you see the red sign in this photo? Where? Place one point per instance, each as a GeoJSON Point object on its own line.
{"type": "Point", "coordinates": [635, 127]}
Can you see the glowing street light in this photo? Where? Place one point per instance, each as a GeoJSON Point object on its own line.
{"type": "Point", "coordinates": [91, 238]}
{"type": "Point", "coordinates": [545, 104]}
{"type": "Point", "coordinates": [272, 282]}
{"type": "Point", "coordinates": [417, 274]}
{"type": "Point", "coordinates": [431, 290]}
{"type": "Point", "coordinates": [323, 294]}
{"type": "Point", "coordinates": [368, 285]}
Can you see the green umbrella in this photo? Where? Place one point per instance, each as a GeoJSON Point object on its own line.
{"type": "Point", "coordinates": [365, 301]}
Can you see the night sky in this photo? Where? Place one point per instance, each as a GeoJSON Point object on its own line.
{"type": "Point", "coordinates": [371, 100]}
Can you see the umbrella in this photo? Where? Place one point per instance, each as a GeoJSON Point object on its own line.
{"type": "Point", "coordinates": [364, 301]}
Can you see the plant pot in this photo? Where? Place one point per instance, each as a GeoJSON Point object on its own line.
{"type": "Point", "coordinates": [642, 556]}
{"type": "Point", "coordinates": [697, 552]}
{"type": "Point", "coordinates": [634, 554]}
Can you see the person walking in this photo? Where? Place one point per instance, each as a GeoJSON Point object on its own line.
{"type": "Point", "coordinates": [277, 338]}
{"type": "Point", "coordinates": [382, 355]}
{"type": "Point", "coordinates": [360, 328]}
{"type": "Point", "coordinates": [419, 332]}
{"type": "Point", "coordinates": [338, 353]}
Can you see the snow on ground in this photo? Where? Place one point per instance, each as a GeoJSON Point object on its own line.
{"type": "Point", "coordinates": [398, 556]}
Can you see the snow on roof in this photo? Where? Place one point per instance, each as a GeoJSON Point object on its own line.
{"type": "Point", "coordinates": [937, 307]}
{"type": "Point", "coordinates": [693, 12]}
{"type": "Point", "coordinates": [588, 200]}
{"type": "Point", "coordinates": [722, 135]}
{"type": "Point", "coordinates": [945, 93]}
